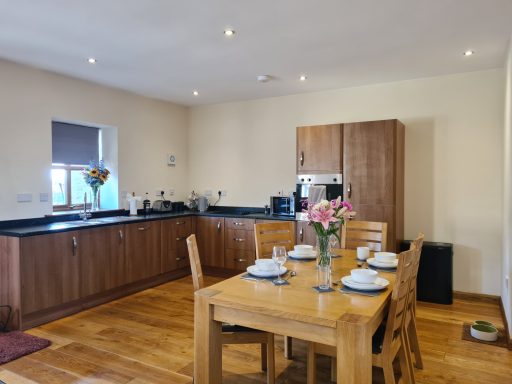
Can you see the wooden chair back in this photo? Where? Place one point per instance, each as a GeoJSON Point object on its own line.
{"type": "Point", "coordinates": [371, 234]}
{"type": "Point", "coordinates": [416, 245]}
{"type": "Point", "coordinates": [195, 263]}
{"type": "Point", "coordinates": [267, 235]}
{"type": "Point", "coordinates": [399, 302]}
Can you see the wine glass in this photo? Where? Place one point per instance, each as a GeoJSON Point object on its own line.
{"type": "Point", "coordinates": [332, 244]}
{"type": "Point", "coordinates": [279, 257]}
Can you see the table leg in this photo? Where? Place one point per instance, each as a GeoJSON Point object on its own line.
{"type": "Point", "coordinates": [354, 350]}
{"type": "Point", "coordinates": [207, 341]}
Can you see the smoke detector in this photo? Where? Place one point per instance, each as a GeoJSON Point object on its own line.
{"type": "Point", "coordinates": [263, 78]}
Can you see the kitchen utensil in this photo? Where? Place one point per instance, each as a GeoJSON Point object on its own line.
{"type": "Point", "coordinates": [202, 203]}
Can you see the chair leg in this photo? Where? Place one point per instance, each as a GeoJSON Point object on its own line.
{"type": "Point", "coordinates": [334, 369]}
{"type": "Point", "coordinates": [271, 364]}
{"type": "Point", "coordinates": [405, 362]}
{"type": "Point", "coordinates": [415, 345]}
{"type": "Point", "coordinates": [264, 356]}
{"type": "Point", "coordinates": [389, 375]}
{"type": "Point", "coordinates": [288, 347]}
{"type": "Point", "coordinates": [407, 348]}
{"type": "Point", "coordinates": [311, 364]}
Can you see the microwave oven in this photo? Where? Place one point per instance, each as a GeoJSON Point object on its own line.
{"type": "Point", "coordinates": [282, 205]}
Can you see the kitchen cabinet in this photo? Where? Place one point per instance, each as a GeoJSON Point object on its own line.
{"type": "Point", "coordinates": [174, 244]}
{"type": "Point", "coordinates": [305, 234]}
{"type": "Point", "coordinates": [210, 240]}
{"type": "Point", "coordinates": [373, 177]}
{"type": "Point", "coordinates": [319, 149]}
{"type": "Point", "coordinates": [49, 270]}
{"type": "Point", "coordinates": [239, 243]}
{"type": "Point", "coordinates": [102, 262]}
{"type": "Point", "coordinates": [143, 250]}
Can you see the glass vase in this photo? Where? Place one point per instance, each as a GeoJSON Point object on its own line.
{"type": "Point", "coordinates": [324, 262]}
{"type": "Point", "coordinates": [95, 205]}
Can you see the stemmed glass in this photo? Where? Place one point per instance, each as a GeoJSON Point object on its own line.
{"type": "Point", "coordinates": [332, 244]}
{"type": "Point", "coordinates": [279, 257]}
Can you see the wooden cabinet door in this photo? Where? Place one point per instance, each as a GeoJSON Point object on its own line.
{"type": "Point", "coordinates": [305, 234]}
{"type": "Point", "coordinates": [102, 264]}
{"type": "Point", "coordinates": [142, 252]}
{"type": "Point", "coordinates": [174, 245]}
{"type": "Point", "coordinates": [210, 240]}
{"type": "Point", "coordinates": [319, 148]}
{"type": "Point", "coordinates": [369, 162]}
{"type": "Point", "coordinates": [49, 271]}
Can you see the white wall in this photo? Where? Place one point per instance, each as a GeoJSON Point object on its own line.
{"type": "Point", "coordinates": [454, 166]}
{"type": "Point", "coordinates": [147, 130]}
{"type": "Point", "coordinates": [506, 292]}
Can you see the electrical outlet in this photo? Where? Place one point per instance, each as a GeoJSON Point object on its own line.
{"type": "Point", "coordinates": [171, 192]}
{"type": "Point", "coordinates": [223, 192]}
{"type": "Point", "coordinates": [208, 192]}
{"type": "Point", "coordinates": [158, 192]}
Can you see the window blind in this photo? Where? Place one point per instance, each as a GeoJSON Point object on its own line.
{"type": "Point", "coordinates": [74, 144]}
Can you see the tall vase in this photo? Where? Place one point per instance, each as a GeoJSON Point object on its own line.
{"type": "Point", "coordinates": [95, 205]}
{"type": "Point", "coordinates": [324, 262]}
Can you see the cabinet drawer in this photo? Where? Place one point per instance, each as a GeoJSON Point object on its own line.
{"type": "Point", "coordinates": [234, 223]}
{"type": "Point", "coordinates": [239, 239]}
{"type": "Point", "coordinates": [238, 259]}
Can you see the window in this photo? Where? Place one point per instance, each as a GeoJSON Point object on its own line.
{"type": "Point", "coordinates": [73, 147]}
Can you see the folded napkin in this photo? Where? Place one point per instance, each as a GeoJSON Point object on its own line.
{"type": "Point", "coordinates": [346, 289]}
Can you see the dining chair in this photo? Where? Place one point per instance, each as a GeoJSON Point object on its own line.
{"type": "Point", "coordinates": [371, 234]}
{"type": "Point", "coordinates": [410, 321]}
{"type": "Point", "coordinates": [389, 339]}
{"type": "Point", "coordinates": [231, 333]}
{"type": "Point", "coordinates": [266, 236]}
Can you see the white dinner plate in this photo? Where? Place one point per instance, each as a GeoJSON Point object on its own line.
{"type": "Point", "coordinates": [379, 284]}
{"type": "Point", "coordinates": [302, 255]}
{"type": "Point", "coordinates": [253, 270]}
{"type": "Point", "coordinates": [380, 264]}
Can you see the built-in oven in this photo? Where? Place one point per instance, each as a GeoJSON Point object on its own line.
{"type": "Point", "coordinates": [333, 183]}
{"type": "Point", "coordinates": [282, 205]}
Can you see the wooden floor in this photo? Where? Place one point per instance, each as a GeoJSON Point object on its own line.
{"type": "Point", "coordinates": [148, 338]}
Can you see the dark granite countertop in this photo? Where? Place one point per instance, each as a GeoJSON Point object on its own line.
{"type": "Point", "coordinates": [43, 226]}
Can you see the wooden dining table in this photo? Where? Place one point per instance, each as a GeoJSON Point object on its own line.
{"type": "Point", "coordinates": [346, 321]}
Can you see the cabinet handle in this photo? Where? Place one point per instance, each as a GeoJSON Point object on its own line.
{"type": "Point", "coordinates": [301, 158]}
{"type": "Point", "coordinates": [142, 228]}
{"type": "Point", "coordinates": [349, 190]}
{"type": "Point", "coordinates": [180, 222]}
{"type": "Point", "coordinates": [238, 240]}
{"type": "Point", "coordinates": [238, 224]}
{"type": "Point", "coordinates": [218, 226]}
{"type": "Point", "coordinates": [75, 245]}
{"type": "Point", "coordinates": [301, 235]}
{"type": "Point", "coordinates": [121, 236]}
{"type": "Point", "coordinates": [240, 260]}
{"type": "Point", "coordinates": [178, 259]}
{"type": "Point", "coordinates": [180, 238]}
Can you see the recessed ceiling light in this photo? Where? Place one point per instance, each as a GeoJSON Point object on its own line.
{"type": "Point", "coordinates": [91, 60]}
{"type": "Point", "coordinates": [195, 93]}
{"type": "Point", "coordinates": [303, 78]}
{"type": "Point", "coordinates": [229, 32]}
{"type": "Point", "coordinates": [469, 53]}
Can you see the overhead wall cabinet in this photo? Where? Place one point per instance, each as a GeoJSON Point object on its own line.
{"type": "Point", "coordinates": [319, 149]}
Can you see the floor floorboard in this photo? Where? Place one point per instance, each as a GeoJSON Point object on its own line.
{"type": "Point", "coordinates": [147, 338]}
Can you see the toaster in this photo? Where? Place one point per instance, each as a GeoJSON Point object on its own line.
{"type": "Point", "coordinates": [162, 206]}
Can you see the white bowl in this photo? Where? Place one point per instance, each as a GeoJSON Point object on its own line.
{"type": "Point", "coordinates": [364, 276]}
{"type": "Point", "coordinates": [300, 249]}
{"type": "Point", "coordinates": [385, 257]}
{"type": "Point", "coordinates": [484, 332]}
{"type": "Point", "coordinates": [266, 264]}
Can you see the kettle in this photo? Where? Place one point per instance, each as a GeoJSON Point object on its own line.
{"type": "Point", "coordinates": [202, 203]}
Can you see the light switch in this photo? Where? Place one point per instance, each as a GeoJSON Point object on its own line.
{"type": "Point", "coordinates": [24, 197]}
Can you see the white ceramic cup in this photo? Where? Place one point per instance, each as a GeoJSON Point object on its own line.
{"type": "Point", "coordinates": [303, 249]}
{"type": "Point", "coordinates": [365, 276]}
{"type": "Point", "coordinates": [363, 253]}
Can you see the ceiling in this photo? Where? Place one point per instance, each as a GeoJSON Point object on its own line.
{"type": "Point", "coordinates": [168, 48]}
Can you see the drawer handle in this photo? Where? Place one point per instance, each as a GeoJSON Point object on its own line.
{"type": "Point", "coordinates": [240, 260]}
{"type": "Point", "coordinates": [238, 223]}
{"type": "Point", "coordinates": [238, 240]}
{"type": "Point", "coordinates": [179, 259]}
{"type": "Point", "coordinates": [180, 238]}
{"type": "Point", "coordinates": [180, 222]}
{"type": "Point", "coordinates": [142, 228]}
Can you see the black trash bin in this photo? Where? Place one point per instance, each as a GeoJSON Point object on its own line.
{"type": "Point", "coordinates": [435, 275]}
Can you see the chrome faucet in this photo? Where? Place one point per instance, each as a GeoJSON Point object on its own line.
{"type": "Point", "coordinates": [85, 215]}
